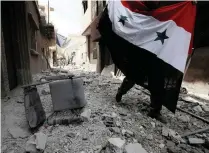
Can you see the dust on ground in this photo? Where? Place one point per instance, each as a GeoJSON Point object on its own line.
{"type": "Point", "coordinates": [92, 135]}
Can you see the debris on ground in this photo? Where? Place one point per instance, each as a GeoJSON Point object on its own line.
{"type": "Point", "coordinates": [126, 123]}
{"type": "Point", "coordinates": [134, 148]}
{"type": "Point", "coordinates": [86, 115]}
{"type": "Point", "coordinates": [196, 141]}
{"type": "Point", "coordinates": [197, 109]}
{"type": "Point", "coordinates": [115, 145]}
{"type": "Point", "coordinates": [41, 139]}
{"type": "Point", "coordinates": [18, 132]}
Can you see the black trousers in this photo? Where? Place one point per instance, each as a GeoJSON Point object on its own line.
{"type": "Point", "coordinates": [156, 88]}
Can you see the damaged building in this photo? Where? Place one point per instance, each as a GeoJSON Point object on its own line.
{"type": "Point", "coordinates": [25, 41]}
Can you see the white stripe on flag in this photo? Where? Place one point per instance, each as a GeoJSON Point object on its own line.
{"type": "Point", "coordinates": [141, 30]}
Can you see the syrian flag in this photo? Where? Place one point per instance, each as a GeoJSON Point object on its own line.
{"type": "Point", "coordinates": [150, 45]}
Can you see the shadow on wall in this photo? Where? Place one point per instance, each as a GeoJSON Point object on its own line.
{"type": "Point", "coordinates": [199, 66]}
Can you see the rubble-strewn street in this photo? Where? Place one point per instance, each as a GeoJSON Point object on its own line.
{"type": "Point", "coordinates": [108, 126]}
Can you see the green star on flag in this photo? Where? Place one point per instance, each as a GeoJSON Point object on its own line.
{"type": "Point", "coordinates": [123, 19]}
{"type": "Point", "coordinates": [161, 36]}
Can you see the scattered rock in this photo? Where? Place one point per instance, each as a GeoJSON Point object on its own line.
{"type": "Point", "coordinates": [115, 145]}
{"type": "Point", "coordinates": [196, 141]}
{"type": "Point", "coordinates": [134, 148]}
{"type": "Point", "coordinates": [165, 131]}
{"type": "Point", "coordinates": [184, 118]}
{"type": "Point", "coordinates": [127, 133]}
{"type": "Point", "coordinates": [114, 114]}
{"type": "Point", "coordinates": [122, 111]}
{"type": "Point", "coordinates": [115, 130]}
{"type": "Point", "coordinates": [150, 137]}
{"type": "Point", "coordinates": [162, 146]}
{"type": "Point", "coordinates": [109, 121]}
{"type": "Point", "coordinates": [86, 114]}
{"type": "Point", "coordinates": [71, 135]}
{"type": "Point", "coordinates": [31, 145]}
{"type": "Point", "coordinates": [40, 140]}
{"type": "Point", "coordinates": [44, 92]}
{"type": "Point", "coordinates": [18, 132]}
{"type": "Point", "coordinates": [172, 135]}
{"type": "Point", "coordinates": [198, 109]}
{"type": "Point", "coordinates": [153, 124]}
{"type": "Point", "coordinates": [205, 108]}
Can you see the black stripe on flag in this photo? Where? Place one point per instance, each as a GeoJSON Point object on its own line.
{"type": "Point", "coordinates": [142, 66]}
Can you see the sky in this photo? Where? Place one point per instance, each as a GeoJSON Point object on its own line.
{"type": "Point", "coordinates": [66, 16]}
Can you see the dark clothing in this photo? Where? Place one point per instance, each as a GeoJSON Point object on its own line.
{"type": "Point", "coordinates": [156, 96]}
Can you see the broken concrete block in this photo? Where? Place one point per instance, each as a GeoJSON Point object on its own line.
{"type": "Point", "coordinates": [162, 146]}
{"type": "Point", "coordinates": [196, 141]}
{"type": "Point", "coordinates": [165, 131]}
{"type": "Point", "coordinates": [153, 124]}
{"type": "Point", "coordinates": [40, 140]}
{"type": "Point", "coordinates": [67, 94]}
{"type": "Point", "coordinates": [198, 109]}
{"type": "Point", "coordinates": [184, 118]}
{"type": "Point", "coordinates": [150, 137]}
{"type": "Point", "coordinates": [172, 135]}
{"type": "Point", "coordinates": [86, 114]}
{"type": "Point", "coordinates": [31, 145]}
{"type": "Point", "coordinates": [18, 132]}
{"type": "Point", "coordinates": [134, 148]}
{"type": "Point", "coordinates": [115, 130]}
{"type": "Point", "coordinates": [205, 108]}
{"type": "Point", "coordinates": [115, 145]}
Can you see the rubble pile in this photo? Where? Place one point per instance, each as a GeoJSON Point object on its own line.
{"type": "Point", "coordinates": [107, 126]}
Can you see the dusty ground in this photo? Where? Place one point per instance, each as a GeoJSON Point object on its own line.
{"type": "Point", "coordinates": [90, 136]}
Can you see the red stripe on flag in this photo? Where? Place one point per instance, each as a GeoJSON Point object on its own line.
{"type": "Point", "coordinates": [183, 13]}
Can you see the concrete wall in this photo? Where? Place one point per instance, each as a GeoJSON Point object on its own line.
{"type": "Point", "coordinates": [37, 62]}
{"type": "Point", "coordinates": [87, 19]}
{"type": "Point", "coordinates": [199, 66]}
{"type": "Point", "coordinates": [4, 74]}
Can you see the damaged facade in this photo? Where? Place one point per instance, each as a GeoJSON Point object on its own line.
{"type": "Point", "coordinates": [97, 52]}
{"type": "Point", "coordinates": [22, 43]}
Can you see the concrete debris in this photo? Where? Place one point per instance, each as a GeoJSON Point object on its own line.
{"type": "Point", "coordinates": [115, 130]}
{"type": "Point", "coordinates": [86, 114]}
{"type": "Point", "coordinates": [198, 109]}
{"type": "Point", "coordinates": [165, 131]}
{"type": "Point", "coordinates": [171, 134]}
{"type": "Point", "coordinates": [196, 141]}
{"type": "Point", "coordinates": [205, 108]}
{"type": "Point", "coordinates": [115, 145]}
{"type": "Point", "coordinates": [153, 124]}
{"type": "Point", "coordinates": [114, 114]}
{"type": "Point", "coordinates": [44, 92]}
{"type": "Point", "coordinates": [127, 133]}
{"type": "Point", "coordinates": [108, 120]}
{"type": "Point", "coordinates": [40, 140]}
{"type": "Point", "coordinates": [31, 145]}
{"type": "Point", "coordinates": [150, 137]}
{"type": "Point", "coordinates": [184, 118]}
{"type": "Point", "coordinates": [18, 132]}
{"type": "Point", "coordinates": [134, 148]}
{"type": "Point", "coordinates": [161, 146]}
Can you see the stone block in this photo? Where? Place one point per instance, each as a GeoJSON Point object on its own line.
{"type": "Point", "coordinates": [67, 94]}
{"type": "Point", "coordinates": [134, 148]}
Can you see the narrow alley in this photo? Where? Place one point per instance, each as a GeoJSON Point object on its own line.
{"type": "Point", "coordinates": [58, 88]}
